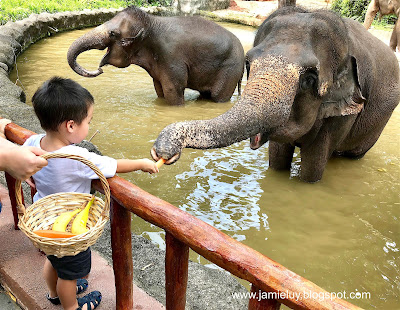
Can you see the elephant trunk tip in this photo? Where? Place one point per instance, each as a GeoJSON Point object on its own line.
{"type": "Point", "coordinates": [74, 51]}
{"type": "Point", "coordinates": [89, 74]}
{"type": "Point", "coordinates": [93, 73]}
{"type": "Point", "coordinates": [81, 71]}
{"type": "Point", "coordinates": [161, 159]}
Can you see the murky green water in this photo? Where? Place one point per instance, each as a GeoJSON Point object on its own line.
{"type": "Point", "coordinates": [342, 233]}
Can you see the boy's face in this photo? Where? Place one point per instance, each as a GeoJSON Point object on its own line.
{"type": "Point", "coordinates": [82, 130]}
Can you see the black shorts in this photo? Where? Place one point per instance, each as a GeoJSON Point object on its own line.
{"type": "Point", "coordinates": [72, 267]}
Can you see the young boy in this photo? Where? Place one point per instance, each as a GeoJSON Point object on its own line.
{"type": "Point", "coordinates": [65, 110]}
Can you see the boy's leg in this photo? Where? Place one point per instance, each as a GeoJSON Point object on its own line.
{"type": "Point", "coordinates": [50, 275]}
{"type": "Point", "coordinates": [67, 293]}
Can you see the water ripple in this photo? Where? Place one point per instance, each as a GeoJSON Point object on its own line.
{"type": "Point", "coordinates": [227, 188]}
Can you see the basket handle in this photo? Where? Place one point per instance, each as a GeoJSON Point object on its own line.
{"type": "Point", "coordinates": [103, 180]}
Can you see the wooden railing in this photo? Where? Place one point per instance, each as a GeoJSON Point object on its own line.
{"type": "Point", "coordinates": [184, 231]}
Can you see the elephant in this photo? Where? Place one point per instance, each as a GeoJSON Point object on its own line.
{"type": "Point", "coordinates": [177, 52]}
{"type": "Point", "coordinates": [385, 7]}
{"type": "Point", "coordinates": [316, 80]}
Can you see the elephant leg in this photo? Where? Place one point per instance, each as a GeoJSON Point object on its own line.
{"type": "Point", "coordinates": [313, 162]}
{"type": "Point", "coordinates": [280, 155]}
{"type": "Point", "coordinates": [373, 9]}
{"type": "Point", "coordinates": [172, 93]}
{"type": "Point", "coordinates": [224, 87]}
{"type": "Point", "coordinates": [158, 88]}
{"type": "Point", "coordinates": [394, 42]}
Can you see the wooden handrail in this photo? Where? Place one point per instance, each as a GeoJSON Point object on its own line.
{"type": "Point", "coordinates": [17, 134]}
{"type": "Point", "coordinates": [222, 250]}
{"type": "Point", "coordinates": [240, 260]}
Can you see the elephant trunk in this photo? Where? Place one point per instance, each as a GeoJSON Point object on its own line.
{"type": "Point", "coordinates": [265, 105]}
{"type": "Point", "coordinates": [95, 39]}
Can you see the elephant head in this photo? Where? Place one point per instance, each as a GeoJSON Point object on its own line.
{"type": "Point", "coordinates": [295, 81]}
{"type": "Point", "coordinates": [118, 35]}
{"type": "Point", "coordinates": [258, 110]}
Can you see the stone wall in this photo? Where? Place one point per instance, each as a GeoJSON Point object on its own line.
{"type": "Point", "coordinates": [208, 289]}
{"type": "Point", "coordinates": [17, 36]}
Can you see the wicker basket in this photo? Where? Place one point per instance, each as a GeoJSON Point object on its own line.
{"type": "Point", "coordinates": [42, 214]}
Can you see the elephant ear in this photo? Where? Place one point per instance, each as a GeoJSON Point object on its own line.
{"type": "Point", "coordinates": [344, 97]}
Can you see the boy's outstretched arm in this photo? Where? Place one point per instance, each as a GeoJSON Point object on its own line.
{"type": "Point", "coordinates": [128, 165]}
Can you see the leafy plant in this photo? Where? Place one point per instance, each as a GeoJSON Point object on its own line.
{"type": "Point", "coordinates": [12, 10]}
{"type": "Point", "coordinates": [357, 9]}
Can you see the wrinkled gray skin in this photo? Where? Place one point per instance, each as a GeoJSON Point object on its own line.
{"type": "Point", "coordinates": [316, 81]}
{"type": "Point", "coordinates": [177, 52]}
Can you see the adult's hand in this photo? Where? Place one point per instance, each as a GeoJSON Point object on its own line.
{"type": "Point", "coordinates": [20, 161]}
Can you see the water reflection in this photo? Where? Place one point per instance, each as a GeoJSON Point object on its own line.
{"type": "Point", "coordinates": [227, 190]}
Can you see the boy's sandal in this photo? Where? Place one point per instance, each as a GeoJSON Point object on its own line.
{"type": "Point", "coordinates": [81, 286]}
{"type": "Point", "coordinates": [93, 298]}
{"type": "Point", "coordinates": [53, 300]}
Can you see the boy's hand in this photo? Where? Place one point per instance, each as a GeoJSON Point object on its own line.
{"type": "Point", "coordinates": [148, 166]}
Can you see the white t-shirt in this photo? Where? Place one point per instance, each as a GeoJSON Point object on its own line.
{"type": "Point", "coordinates": [68, 175]}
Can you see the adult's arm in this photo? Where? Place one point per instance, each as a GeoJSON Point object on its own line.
{"type": "Point", "coordinates": [19, 161]}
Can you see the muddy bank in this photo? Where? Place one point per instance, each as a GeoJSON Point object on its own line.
{"type": "Point", "coordinates": [207, 288]}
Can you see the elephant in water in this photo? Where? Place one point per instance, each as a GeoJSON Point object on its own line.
{"type": "Point", "coordinates": [385, 7]}
{"type": "Point", "coordinates": [316, 81]}
{"type": "Point", "coordinates": [177, 52]}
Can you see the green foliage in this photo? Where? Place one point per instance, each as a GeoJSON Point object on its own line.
{"type": "Point", "coordinates": [12, 10]}
{"type": "Point", "coordinates": [357, 9]}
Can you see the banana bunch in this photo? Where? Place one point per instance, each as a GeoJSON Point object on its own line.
{"type": "Point", "coordinates": [79, 223]}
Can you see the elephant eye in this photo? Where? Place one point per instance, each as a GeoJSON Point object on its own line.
{"type": "Point", "coordinates": [308, 80]}
{"type": "Point", "coordinates": [126, 41]}
{"type": "Point", "coordinates": [114, 34]}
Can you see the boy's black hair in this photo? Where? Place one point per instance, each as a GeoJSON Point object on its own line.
{"type": "Point", "coordinates": [59, 100]}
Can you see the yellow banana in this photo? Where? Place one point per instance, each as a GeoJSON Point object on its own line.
{"type": "Point", "coordinates": [79, 223]}
{"type": "Point", "coordinates": [61, 222]}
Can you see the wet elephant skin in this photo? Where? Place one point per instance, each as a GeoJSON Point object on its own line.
{"type": "Point", "coordinates": [316, 81]}
{"type": "Point", "coordinates": [177, 52]}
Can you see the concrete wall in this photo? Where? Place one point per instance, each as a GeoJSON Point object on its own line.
{"type": "Point", "coordinates": [208, 289]}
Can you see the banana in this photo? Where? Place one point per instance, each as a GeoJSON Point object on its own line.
{"type": "Point", "coordinates": [79, 223]}
{"type": "Point", "coordinates": [61, 222]}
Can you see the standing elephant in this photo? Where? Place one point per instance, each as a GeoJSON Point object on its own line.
{"type": "Point", "coordinates": [385, 7]}
{"type": "Point", "coordinates": [177, 52]}
{"type": "Point", "coordinates": [315, 81]}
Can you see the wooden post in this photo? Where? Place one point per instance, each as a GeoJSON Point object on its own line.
{"type": "Point", "coordinates": [176, 272]}
{"type": "Point", "coordinates": [121, 244]}
{"type": "Point", "coordinates": [11, 192]}
{"type": "Point", "coordinates": [260, 303]}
